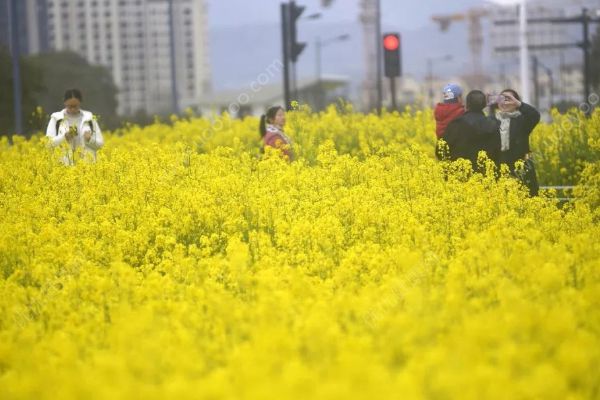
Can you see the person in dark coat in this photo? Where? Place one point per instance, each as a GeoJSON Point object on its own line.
{"type": "Point", "coordinates": [472, 132]}
{"type": "Point", "coordinates": [517, 120]}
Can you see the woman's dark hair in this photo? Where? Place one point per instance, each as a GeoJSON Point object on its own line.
{"type": "Point", "coordinates": [73, 94]}
{"type": "Point", "coordinates": [476, 101]}
{"type": "Point", "coordinates": [268, 116]}
{"type": "Point", "coordinates": [513, 92]}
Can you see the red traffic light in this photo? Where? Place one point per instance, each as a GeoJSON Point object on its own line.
{"type": "Point", "coordinates": [391, 42]}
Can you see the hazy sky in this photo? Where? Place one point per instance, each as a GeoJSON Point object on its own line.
{"type": "Point", "coordinates": [245, 37]}
{"type": "Point", "coordinates": [409, 14]}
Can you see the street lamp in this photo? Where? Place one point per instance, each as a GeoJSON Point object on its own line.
{"type": "Point", "coordinates": [16, 68]}
{"type": "Point", "coordinates": [430, 61]}
{"type": "Point", "coordinates": [319, 44]}
{"type": "Point", "coordinates": [536, 88]}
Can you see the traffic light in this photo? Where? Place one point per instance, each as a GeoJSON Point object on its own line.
{"type": "Point", "coordinates": [392, 60]}
{"type": "Point", "coordinates": [295, 47]}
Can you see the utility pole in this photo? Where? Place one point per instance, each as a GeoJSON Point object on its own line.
{"type": "Point", "coordinates": [536, 82]}
{"type": "Point", "coordinates": [430, 79]}
{"type": "Point", "coordinates": [584, 19]}
{"type": "Point", "coordinates": [286, 54]}
{"type": "Point", "coordinates": [524, 51]}
{"type": "Point", "coordinates": [536, 65]}
{"type": "Point", "coordinates": [585, 22]}
{"type": "Point", "coordinates": [318, 46]}
{"type": "Point", "coordinates": [16, 68]}
{"type": "Point", "coordinates": [174, 94]}
{"type": "Point", "coordinates": [379, 57]}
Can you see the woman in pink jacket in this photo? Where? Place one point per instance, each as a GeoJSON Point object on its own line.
{"type": "Point", "coordinates": [271, 131]}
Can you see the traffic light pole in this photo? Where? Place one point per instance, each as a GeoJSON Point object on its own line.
{"type": "Point", "coordinates": [393, 64]}
{"type": "Point", "coordinates": [290, 13]}
{"type": "Point", "coordinates": [16, 68]}
{"type": "Point", "coordinates": [379, 57]}
{"type": "Point", "coordinates": [393, 93]}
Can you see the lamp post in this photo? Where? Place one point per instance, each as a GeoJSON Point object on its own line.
{"type": "Point", "coordinates": [536, 65]}
{"type": "Point", "coordinates": [16, 68]}
{"type": "Point", "coordinates": [430, 62]}
{"type": "Point", "coordinates": [523, 51]}
{"type": "Point", "coordinates": [173, 60]}
{"type": "Point", "coordinates": [319, 44]}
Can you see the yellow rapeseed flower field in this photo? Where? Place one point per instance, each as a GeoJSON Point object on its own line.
{"type": "Point", "coordinates": [186, 264]}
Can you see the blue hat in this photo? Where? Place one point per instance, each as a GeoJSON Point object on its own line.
{"type": "Point", "coordinates": [452, 92]}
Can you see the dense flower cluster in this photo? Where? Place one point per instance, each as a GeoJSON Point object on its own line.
{"type": "Point", "coordinates": [186, 264]}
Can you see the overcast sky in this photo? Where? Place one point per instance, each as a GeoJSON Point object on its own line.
{"type": "Point", "coordinates": [404, 14]}
{"type": "Point", "coordinates": [245, 36]}
{"type": "Point", "coordinates": [395, 13]}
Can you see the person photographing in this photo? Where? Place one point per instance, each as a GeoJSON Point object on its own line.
{"type": "Point", "coordinates": [517, 120]}
{"type": "Point", "coordinates": [74, 128]}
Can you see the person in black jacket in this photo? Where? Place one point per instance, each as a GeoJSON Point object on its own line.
{"type": "Point", "coordinates": [517, 120]}
{"type": "Point", "coordinates": [472, 132]}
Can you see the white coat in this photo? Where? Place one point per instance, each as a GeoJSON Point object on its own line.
{"type": "Point", "coordinates": [88, 149]}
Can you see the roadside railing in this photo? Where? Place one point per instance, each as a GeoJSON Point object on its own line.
{"type": "Point", "coordinates": [565, 192]}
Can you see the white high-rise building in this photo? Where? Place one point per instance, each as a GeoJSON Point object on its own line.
{"type": "Point", "coordinates": [132, 38]}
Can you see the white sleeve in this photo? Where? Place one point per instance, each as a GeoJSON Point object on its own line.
{"type": "Point", "coordinates": [97, 139]}
{"type": "Point", "coordinates": [55, 137]}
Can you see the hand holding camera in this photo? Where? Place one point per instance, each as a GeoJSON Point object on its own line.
{"type": "Point", "coordinates": [509, 100]}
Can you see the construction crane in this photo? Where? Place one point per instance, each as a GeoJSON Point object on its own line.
{"type": "Point", "coordinates": [473, 18]}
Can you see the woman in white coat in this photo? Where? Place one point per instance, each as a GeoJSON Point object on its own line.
{"type": "Point", "coordinates": [76, 129]}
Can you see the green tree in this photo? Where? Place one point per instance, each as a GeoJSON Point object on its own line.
{"type": "Point", "coordinates": [67, 70]}
{"type": "Point", "coordinates": [45, 77]}
{"type": "Point", "coordinates": [32, 86]}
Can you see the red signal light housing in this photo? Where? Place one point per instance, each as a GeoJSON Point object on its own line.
{"type": "Point", "coordinates": [391, 42]}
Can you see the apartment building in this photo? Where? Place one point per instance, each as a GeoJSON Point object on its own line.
{"type": "Point", "coordinates": [133, 39]}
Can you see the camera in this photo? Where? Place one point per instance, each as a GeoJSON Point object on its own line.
{"type": "Point", "coordinates": [494, 99]}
